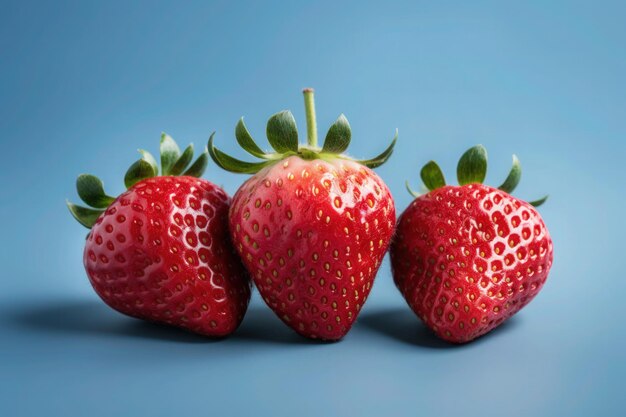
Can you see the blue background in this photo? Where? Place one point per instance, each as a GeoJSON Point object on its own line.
{"type": "Point", "coordinates": [84, 84]}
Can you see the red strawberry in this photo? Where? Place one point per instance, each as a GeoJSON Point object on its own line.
{"type": "Point", "coordinates": [312, 225]}
{"type": "Point", "coordinates": [161, 251]}
{"type": "Point", "coordinates": [466, 258]}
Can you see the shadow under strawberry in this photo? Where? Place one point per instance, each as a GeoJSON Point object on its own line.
{"type": "Point", "coordinates": [262, 325]}
{"type": "Point", "coordinates": [400, 324]}
{"type": "Point", "coordinates": [91, 318]}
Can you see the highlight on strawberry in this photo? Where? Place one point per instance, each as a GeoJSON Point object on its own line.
{"type": "Point", "coordinates": [312, 224]}
{"type": "Point", "coordinates": [161, 251]}
{"type": "Point", "coordinates": [468, 257]}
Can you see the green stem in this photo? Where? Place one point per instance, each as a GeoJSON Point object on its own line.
{"type": "Point", "coordinates": [311, 124]}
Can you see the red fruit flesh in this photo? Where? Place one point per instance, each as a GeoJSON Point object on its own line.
{"type": "Point", "coordinates": [162, 252]}
{"type": "Point", "coordinates": [312, 234]}
{"type": "Point", "coordinates": [467, 258]}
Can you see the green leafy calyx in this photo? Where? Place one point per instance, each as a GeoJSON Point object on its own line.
{"type": "Point", "coordinates": [173, 162]}
{"type": "Point", "coordinates": [282, 135]}
{"type": "Point", "coordinates": [471, 169]}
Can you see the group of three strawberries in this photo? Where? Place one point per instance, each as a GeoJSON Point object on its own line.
{"type": "Point", "coordinates": [310, 228]}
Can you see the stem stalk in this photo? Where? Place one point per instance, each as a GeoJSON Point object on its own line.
{"type": "Point", "coordinates": [311, 123]}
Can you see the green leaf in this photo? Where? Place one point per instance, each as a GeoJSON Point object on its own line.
{"type": "Point", "coordinates": [282, 132]}
{"type": "Point", "coordinates": [91, 191]}
{"type": "Point", "coordinates": [338, 136]}
{"type": "Point", "coordinates": [138, 171]}
{"type": "Point", "coordinates": [198, 167]}
{"type": "Point", "coordinates": [432, 176]}
{"type": "Point", "coordinates": [170, 152]}
{"type": "Point", "coordinates": [472, 167]}
{"type": "Point", "coordinates": [146, 167]}
{"type": "Point", "coordinates": [410, 190]}
{"type": "Point", "coordinates": [382, 158]}
{"type": "Point", "coordinates": [183, 161]}
{"type": "Point", "coordinates": [539, 202]}
{"type": "Point", "coordinates": [245, 140]}
{"type": "Point", "coordinates": [515, 174]}
{"type": "Point", "coordinates": [147, 156]}
{"type": "Point", "coordinates": [85, 216]}
{"type": "Point", "coordinates": [231, 164]}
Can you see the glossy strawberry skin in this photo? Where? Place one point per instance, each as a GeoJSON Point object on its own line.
{"type": "Point", "coordinates": [467, 258]}
{"type": "Point", "coordinates": [312, 234]}
{"type": "Point", "coordinates": [161, 252]}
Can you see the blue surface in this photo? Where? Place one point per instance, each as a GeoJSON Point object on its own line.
{"type": "Point", "coordinates": [84, 84]}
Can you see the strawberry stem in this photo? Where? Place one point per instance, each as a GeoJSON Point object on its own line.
{"type": "Point", "coordinates": [311, 124]}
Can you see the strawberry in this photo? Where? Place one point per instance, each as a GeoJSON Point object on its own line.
{"type": "Point", "coordinates": [161, 250]}
{"type": "Point", "coordinates": [466, 258]}
{"type": "Point", "coordinates": [311, 225]}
